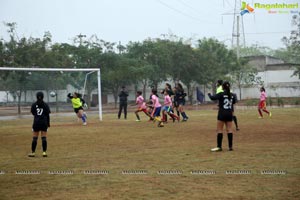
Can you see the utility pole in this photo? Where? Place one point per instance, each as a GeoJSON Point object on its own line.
{"type": "Point", "coordinates": [238, 34]}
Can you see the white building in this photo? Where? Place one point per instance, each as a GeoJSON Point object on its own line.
{"type": "Point", "coordinates": [277, 77]}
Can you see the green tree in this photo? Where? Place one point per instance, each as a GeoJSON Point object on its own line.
{"type": "Point", "coordinates": [292, 44]}
{"type": "Point", "coordinates": [215, 61]}
{"type": "Point", "coordinates": [245, 75]}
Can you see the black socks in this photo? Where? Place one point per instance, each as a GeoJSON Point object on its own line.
{"type": "Point", "coordinates": [33, 144]}
{"type": "Point", "coordinates": [219, 140]}
{"type": "Point", "coordinates": [230, 138]}
{"type": "Point", "coordinates": [44, 143]}
{"type": "Point", "coordinates": [235, 121]}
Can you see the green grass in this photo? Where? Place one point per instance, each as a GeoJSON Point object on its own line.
{"type": "Point", "coordinates": [118, 145]}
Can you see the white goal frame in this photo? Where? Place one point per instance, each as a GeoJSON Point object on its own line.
{"type": "Point", "coordinates": [66, 70]}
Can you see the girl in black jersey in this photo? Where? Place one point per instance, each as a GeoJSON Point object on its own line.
{"type": "Point", "coordinates": [40, 110]}
{"type": "Point", "coordinates": [179, 101]}
{"type": "Point", "coordinates": [225, 115]}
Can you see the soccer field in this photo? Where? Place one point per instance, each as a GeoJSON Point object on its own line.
{"type": "Point", "coordinates": [124, 159]}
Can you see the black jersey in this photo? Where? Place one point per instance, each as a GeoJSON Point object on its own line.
{"type": "Point", "coordinates": [179, 97]}
{"type": "Point", "coordinates": [41, 111]}
{"type": "Point", "coordinates": [225, 105]}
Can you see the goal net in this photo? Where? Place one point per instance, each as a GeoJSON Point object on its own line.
{"type": "Point", "coordinates": [19, 86]}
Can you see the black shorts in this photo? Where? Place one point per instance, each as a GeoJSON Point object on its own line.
{"type": "Point", "coordinates": [76, 110]}
{"type": "Point", "coordinates": [180, 102]}
{"type": "Point", "coordinates": [39, 127]}
{"type": "Point", "coordinates": [225, 116]}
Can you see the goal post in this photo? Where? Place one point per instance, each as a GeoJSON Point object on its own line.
{"type": "Point", "coordinates": [89, 70]}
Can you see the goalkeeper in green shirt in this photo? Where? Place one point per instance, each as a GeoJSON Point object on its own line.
{"type": "Point", "coordinates": [78, 104]}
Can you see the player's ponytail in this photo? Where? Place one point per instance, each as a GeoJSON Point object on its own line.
{"type": "Point", "coordinates": [226, 88]}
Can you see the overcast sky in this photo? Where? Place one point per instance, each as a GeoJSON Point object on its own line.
{"type": "Point", "coordinates": [137, 20]}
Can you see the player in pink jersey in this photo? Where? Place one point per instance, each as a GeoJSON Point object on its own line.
{"type": "Point", "coordinates": [168, 108]}
{"type": "Point", "coordinates": [262, 106]}
{"type": "Point", "coordinates": [141, 106]}
{"type": "Point", "coordinates": [157, 108]}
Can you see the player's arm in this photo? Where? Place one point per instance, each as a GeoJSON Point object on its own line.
{"type": "Point", "coordinates": [214, 97]}
{"type": "Point", "coordinates": [70, 96]}
{"type": "Point", "coordinates": [33, 110]}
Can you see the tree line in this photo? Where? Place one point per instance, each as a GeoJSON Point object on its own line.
{"type": "Point", "coordinates": [142, 64]}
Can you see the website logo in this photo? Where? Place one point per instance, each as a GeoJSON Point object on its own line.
{"type": "Point", "coordinates": [246, 8]}
{"type": "Point", "coordinates": [271, 8]}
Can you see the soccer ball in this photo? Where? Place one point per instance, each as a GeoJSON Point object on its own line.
{"type": "Point", "coordinates": [52, 94]}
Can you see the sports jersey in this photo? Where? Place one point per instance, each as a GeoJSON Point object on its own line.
{"type": "Point", "coordinates": [76, 102]}
{"type": "Point", "coordinates": [225, 105]}
{"type": "Point", "coordinates": [140, 102]}
{"type": "Point", "coordinates": [224, 102]}
{"type": "Point", "coordinates": [167, 101]}
{"type": "Point", "coordinates": [179, 97]}
{"type": "Point", "coordinates": [263, 96]}
{"type": "Point", "coordinates": [40, 111]}
{"type": "Point", "coordinates": [155, 101]}
{"type": "Point", "coordinates": [220, 89]}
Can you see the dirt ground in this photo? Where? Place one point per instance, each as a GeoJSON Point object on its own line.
{"type": "Point", "coordinates": [125, 159]}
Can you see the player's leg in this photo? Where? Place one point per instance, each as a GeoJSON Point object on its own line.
{"type": "Point", "coordinates": [229, 134]}
{"type": "Point", "coordinates": [137, 115]}
{"type": "Point", "coordinates": [120, 110]}
{"type": "Point", "coordinates": [172, 115]}
{"type": "Point", "coordinates": [150, 111]}
{"type": "Point", "coordinates": [157, 116]}
{"type": "Point", "coordinates": [220, 125]}
{"type": "Point", "coordinates": [44, 143]}
{"type": "Point", "coordinates": [35, 136]}
{"type": "Point", "coordinates": [164, 114]}
{"type": "Point", "coordinates": [185, 117]}
{"type": "Point", "coordinates": [82, 116]}
{"type": "Point", "coordinates": [264, 108]}
{"type": "Point", "coordinates": [260, 106]}
{"type": "Point", "coordinates": [125, 110]}
{"type": "Point", "coordinates": [235, 121]}
{"type": "Point", "coordinates": [176, 108]}
{"type": "Point", "coordinates": [268, 112]}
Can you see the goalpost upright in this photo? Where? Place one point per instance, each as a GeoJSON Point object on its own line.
{"type": "Point", "coordinates": [67, 70]}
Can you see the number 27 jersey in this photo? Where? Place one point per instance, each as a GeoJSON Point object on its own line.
{"type": "Point", "coordinates": [41, 112]}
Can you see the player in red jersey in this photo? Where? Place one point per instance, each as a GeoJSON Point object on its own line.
{"type": "Point", "coordinates": [142, 107]}
{"type": "Point", "coordinates": [262, 106]}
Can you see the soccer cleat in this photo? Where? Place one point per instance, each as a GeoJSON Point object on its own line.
{"type": "Point", "coordinates": [230, 149]}
{"type": "Point", "coordinates": [31, 154]}
{"type": "Point", "coordinates": [160, 124]}
{"type": "Point", "coordinates": [157, 119]}
{"type": "Point", "coordinates": [84, 124]}
{"type": "Point", "coordinates": [237, 129]}
{"type": "Point", "coordinates": [44, 154]}
{"type": "Point", "coordinates": [138, 120]}
{"type": "Point", "coordinates": [216, 149]}
{"type": "Point", "coordinates": [260, 117]}
{"type": "Point", "coordinates": [270, 114]}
